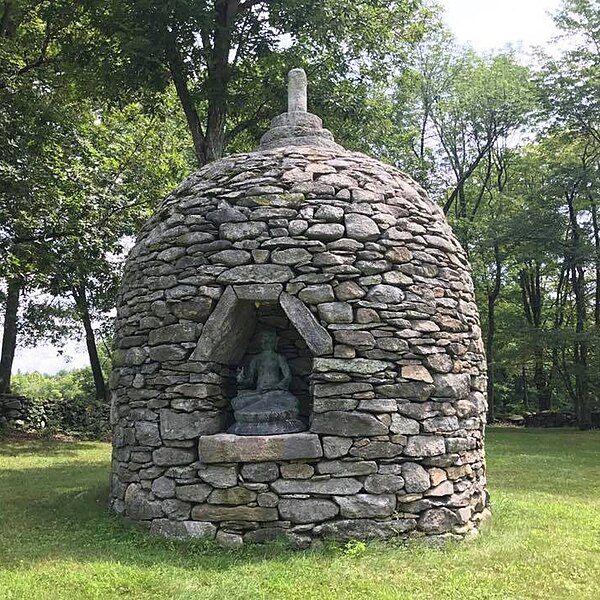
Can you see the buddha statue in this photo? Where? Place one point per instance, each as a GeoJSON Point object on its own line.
{"type": "Point", "coordinates": [263, 404]}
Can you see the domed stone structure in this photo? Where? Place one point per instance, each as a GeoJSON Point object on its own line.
{"type": "Point", "coordinates": [328, 286]}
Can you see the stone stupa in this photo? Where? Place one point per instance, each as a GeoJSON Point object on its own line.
{"type": "Point", "coordinates": [370, 299]}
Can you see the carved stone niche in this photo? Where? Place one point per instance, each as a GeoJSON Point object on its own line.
{"type": "Point", "coordinates": [243, 311]}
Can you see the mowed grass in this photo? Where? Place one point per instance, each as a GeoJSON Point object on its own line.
{"type": "Point", "coordinates": [58, 541]}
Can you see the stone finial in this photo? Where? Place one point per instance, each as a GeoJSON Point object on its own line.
{"type": "Point", "coordinates": [297, 127]}
{"type": "Point", "coordinates": [297, 84]}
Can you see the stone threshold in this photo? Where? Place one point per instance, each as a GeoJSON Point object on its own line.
{"type": "Point", "coordinates": [231, 448]}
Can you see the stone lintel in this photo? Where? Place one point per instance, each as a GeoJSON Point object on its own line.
{"type": "Point", "coordinates": [261, 292]}
{"type": "Point", "coordinates": [228, 448]}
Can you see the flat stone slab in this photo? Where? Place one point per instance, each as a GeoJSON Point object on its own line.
{"type": "Point", "coordinates": [228, 447]}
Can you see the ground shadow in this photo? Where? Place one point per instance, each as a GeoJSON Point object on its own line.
{"type": "Point", "coordinates": [60, 512]}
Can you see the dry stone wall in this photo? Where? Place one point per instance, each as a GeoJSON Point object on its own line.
{"type": "Point", "coordinates": [365, 275]}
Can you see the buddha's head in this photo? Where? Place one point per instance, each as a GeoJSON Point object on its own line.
{"type": "Point", "coordinates": [267, 340]}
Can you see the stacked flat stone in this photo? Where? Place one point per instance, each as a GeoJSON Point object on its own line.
{"type": "Point", "coordinates": [362, 268]}
{"type": "Point", "coordinates": [14, 410]}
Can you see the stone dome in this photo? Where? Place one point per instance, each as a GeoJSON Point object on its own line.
{"type": "Point", "coordinates": [369, 291]}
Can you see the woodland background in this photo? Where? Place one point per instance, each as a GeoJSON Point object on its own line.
{"type": "Point", "coordinates": [106, 105]}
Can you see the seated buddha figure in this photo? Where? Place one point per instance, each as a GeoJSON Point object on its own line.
{"type": "Point", "coordinates": [263, 404]}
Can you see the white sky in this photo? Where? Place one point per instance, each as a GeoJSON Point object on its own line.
{"type": "Point", "coordinates": [484, 24]}
{"type": "Point", "coordinates": [492, 24]}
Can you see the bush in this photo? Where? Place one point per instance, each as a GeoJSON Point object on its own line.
{"type": "Point", "coordinates": [65, 402]}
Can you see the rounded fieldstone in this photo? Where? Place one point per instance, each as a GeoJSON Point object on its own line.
{"type": "Point", "coordinates": [311, 510]}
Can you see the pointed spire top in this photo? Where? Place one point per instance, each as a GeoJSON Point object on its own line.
{"type": "Point", "coordinates": [297, 91]}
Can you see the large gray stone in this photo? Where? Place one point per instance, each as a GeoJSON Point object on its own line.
{"type": "Point", "coordinates": [258, 291]}
{"type": "Point", "coordinates": [347, 424]}
{"type": "Point", "coordinates": [315, 294]}
{"type": "Point", "coordinates": [404, 425]}
{"type": "Point", "coordinates": [218, 476]}
{"type": "Point", "coordinates": [437, 520]}
{"type": "Point", "coordinates": [416, 478]}
{"type": "Point", "coordinates": [260, 472]}
{"type": "Point", "coordinates": [233, 496]}
{"type": "Point", "coordinates": [256, 274]}
{"type": "Point", "coordinates": [364, 529]}
{"type": "Point", "coordinates": [339, 390]}
{"type": "Point", "coordinates": [312, 332]}
{"type": "Point", "coordinates": [349, 290]}
{"type": "Point", "coordinates": [353, 337]}
{"type": "Point", "coordinates": [234, 232]}
{"type": "Point", "coordinates": [166, 457]}
{"type": "Point", "coordinates": [196, 492]}
{"type": "Point", "coordinates": [147, 434]}
{"type": "Point", "coordinates": [188, 425]}
{"type": "Point", "coordinates": [225, 447]}
{"type": "Point", "coordinates": [423, 445]}
{"type": "Point", "coordinates": [363, 506]}
{"type": "Point", "coordinates": [310, 510]}
{"type": "Point", "coordinates": [335, 312]}
{"type": "Point", "coordinates": [383, 484]}
{"type": "Point", "coordinates": [377, 449]}
{"type": "Point", "coordinates": [181, 530]}
{"type": "Point", "coordinates": [334, 447]}
{"type": "Point", "coordinates": [325, 232]}
{"type": "Point", "coordinates": [139, 506]}
{"type": "Point", "coordinates": [347, 468]}
{"type": "Point", "coordinates": [409, 390]}
{"type": "Point", "coordinates": [163, 487]}
{"type": "Point", "coordinates": [339, 486]}
{"type": "Point", "coordinates": [291, 256]}
{"type": "Point", "coordinates": [231, 258]}
{"type": "Point", "coordinates": [226, 214]}
{"type": "Point", "coordinates": [361, 227]}
{"type": "Point", "coordinates": [360, 366]}
{"type": "Point", "coordinates": [226, 331]}
{"type": "Point", "coordinates": [176, 509]}
{"type": "Point", "coordinates": [208, 512]}
{"type": "Point", "coordinates": [440, 424]}
{"type": "Point", "coordinates": [386, 294]}
{"type": "Point", "coordinates": [171, 334]}
{"type": "Point", "coordinates": [451, 385]}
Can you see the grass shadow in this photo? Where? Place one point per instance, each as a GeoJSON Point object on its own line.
{"type": "Point", "coordinates": [60, 513]}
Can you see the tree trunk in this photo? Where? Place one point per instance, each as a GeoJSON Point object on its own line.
{"type": "Point", "coordinates": [525, 388]}
{"type": "Point", "coordinates": [180, 80]}
{"type": "Point", "coordinates": [540, 381]}
{"type": "Point", "coordinates": [580, 352]}
{"type": "Point", "coordinates": [218, 79]}
{"type": "Point", "coordinates": [580, 347]}
{"type": "Point", "coordinates": [596, 231]}
{"type": "Point", "coordinates": [491, 331]}
{"type": "Point", "coordinates": [79, 294]}
{"type": "Point", "coordinates": [209, 144]}
{"type": "Point", "coordinates": [9, 336]}
{"type": "Point", "coordinates": [532, 297]}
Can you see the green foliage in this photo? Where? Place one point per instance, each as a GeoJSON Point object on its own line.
{"type": "Point", "coordinates": [355, 548]}
{"type": "Point", "coordinates": [543, 541]}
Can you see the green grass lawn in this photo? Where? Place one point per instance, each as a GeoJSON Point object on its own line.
{"type": "Point", "coordinates": [58, 541]}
